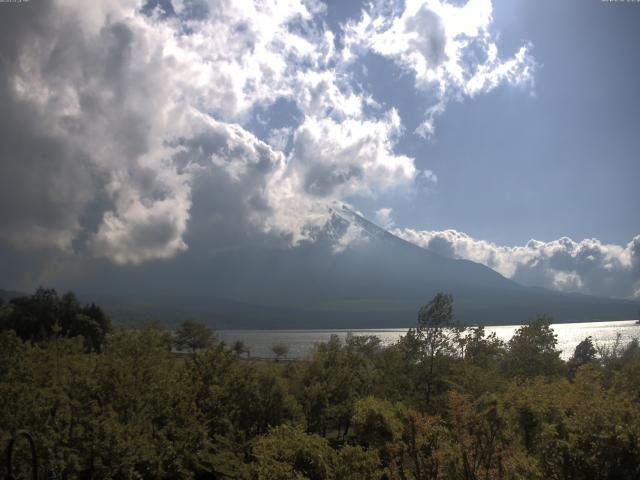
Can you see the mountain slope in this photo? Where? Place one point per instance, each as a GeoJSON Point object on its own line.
{"type": "Point", "coordinates": [376, 280]}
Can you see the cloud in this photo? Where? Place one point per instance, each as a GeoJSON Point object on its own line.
{"type": "Point", "coordinates": [135, 134]}
{"type": "Point", "coordinates": [102, 95]}
{"type": "Point", "coordinates": [588, 266]}
{"type": "Point", "coordinates": [350, 156]}
{"type": "Point", "coordinates": [450, 49]}
{"type": "Point", "coordinates": [384, 217]}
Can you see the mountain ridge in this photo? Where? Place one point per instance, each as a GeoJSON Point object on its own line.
{"type": "Point", "coordinates": [352, 274]}
{"type": "Point", "coordinates": [376, 279]}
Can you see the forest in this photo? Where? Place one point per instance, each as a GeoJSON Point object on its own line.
{"type": "Point", "coordinates": [444, 402]}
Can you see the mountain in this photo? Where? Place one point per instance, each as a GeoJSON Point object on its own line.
{"type": "Point", "coordinates": [377, 280]}
{"type": "Point", "coordinates": [6, 295]}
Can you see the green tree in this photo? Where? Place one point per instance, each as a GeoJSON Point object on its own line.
{"type": "Point", "coordinates": [193, 336]}
{"type": "Point", "coordinates": [287, 453]}
{"type": "Point", "coordinates": [240, 348]}
{"type": "Point", "coordinates": [133, 410]}
{"type": "Point", "coordinates": [376, 422]}
{"type": "Point", "coordinates": [280, 350]}
{"type": "Point", "coordinates": [125, 413]}
{"type": "Point", "coordinates": [334, 378]}
{"type": "Point", "coordinates": [356, 463]}
{"type": "Point", "coordinates": [94, 330]}
{"type": "Point", "coordinates": [481, 349]}
{"type": "Point", "coordinates": [532, 350]}
{"type": "Point", "coordinates": [43, 315]}
{"type": "Point", "coordinates": [479, 372]}
{"type": "Point", "coordinates": [435, 325]}
{"type": "Point", "coordinates": [585, 352]}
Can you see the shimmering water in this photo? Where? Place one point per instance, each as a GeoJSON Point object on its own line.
{"type": "Point", "coordinates": [301, 342]}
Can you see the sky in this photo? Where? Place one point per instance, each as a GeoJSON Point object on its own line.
{"type": "Point", "coordinates": [135, 132]}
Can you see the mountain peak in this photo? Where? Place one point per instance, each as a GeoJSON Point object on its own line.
{"type": "Point", "coordinates": [347, 226]}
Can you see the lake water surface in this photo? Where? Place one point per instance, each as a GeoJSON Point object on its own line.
{"type": "Point", "coordinates": [301, 342]}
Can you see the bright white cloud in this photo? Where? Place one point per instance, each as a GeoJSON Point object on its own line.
{"type": "Point", "coordinates": [351, 156]}
{"type": "Point", "coordinates": [450, 49]}
{"type": "Point", "coordinates": [588, 266]}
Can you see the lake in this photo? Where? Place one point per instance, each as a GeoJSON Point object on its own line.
{"type": "Point", "coordinates": [301, 342]}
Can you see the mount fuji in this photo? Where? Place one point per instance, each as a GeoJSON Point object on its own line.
{"type": "Point", "coordinates": [354, 274]}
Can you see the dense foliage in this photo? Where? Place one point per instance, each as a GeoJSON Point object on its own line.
{"type": "Point", "coordinates": [44, 315]}
{"type": "Point", "coordinates": [441, 403]}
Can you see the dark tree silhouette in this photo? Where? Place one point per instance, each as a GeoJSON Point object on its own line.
{"type": "Point", "coordinates": [193, 335]}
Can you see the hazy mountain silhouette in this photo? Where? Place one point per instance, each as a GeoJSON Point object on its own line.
{"type": "Point", "coordinates": [7, 295]}
{"type": "Point", "coordinates": [377, 280]}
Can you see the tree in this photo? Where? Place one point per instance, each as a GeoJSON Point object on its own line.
{"type": "Point", "coordinates": [34, 316]}
{"type": "Point", "coordinates": [435, 321]}
{"type": "Point", "coordinates": [356, 463]}
{"type": "Point", "coordinates": [240, 347]}
{"type": "Point", "coordinates": [96, 337]}
{"type": "Point", "coordinates": [44, 315]}
{"type": "Point", "coordinates": [193, 335]}
{"type": "Point", "coordinates": [585, 352]}
{"type": "Point", "coordinates": [479, 431]}
{"type": "Point", "coordinates": [532, 349]}
{"type": "Point", "coordinates": [480, 371]}
{"type": "Point", "coordinates": [376, 422]}
{"type": "Point", "coordinates": [280, 350]}
{"type": "Point", "coordinates": [334, 378]}
{"type": "Point", "coordinates": [423, 451]}
{"type": "Point", "coordinates": [287, 453]}
{"type": "Point", "coordinates": [482, 349]}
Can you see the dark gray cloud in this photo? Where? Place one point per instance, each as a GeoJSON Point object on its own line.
{"type": "Point", "coordinates": [322, 180]}
{"type": "Point", "coordinates": [431, 36]}
{"type": "Point", "coordinates": [230, 192]}
{"type": "Point", "coordinates": [78, 120]}
{"type": "Point", "coordinates": [44, 180]}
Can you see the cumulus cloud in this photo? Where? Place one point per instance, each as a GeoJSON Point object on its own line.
{"type": "Point", "coordinates": [588, 266]}
{"type": "Point", "coordinates": [450, 49]}
{"type": "Point", "coordinates": [133, 134]}
{"type": "Point", "coordinates": [350, 156]}
{"type": "Point", "coordinates": [384, 217]}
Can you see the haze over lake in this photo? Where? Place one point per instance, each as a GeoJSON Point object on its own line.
{"type": "Point", "coordinates": [302, 342]}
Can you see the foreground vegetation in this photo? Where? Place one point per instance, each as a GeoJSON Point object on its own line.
{"type": "Point", "coordinates": [441, 403]}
